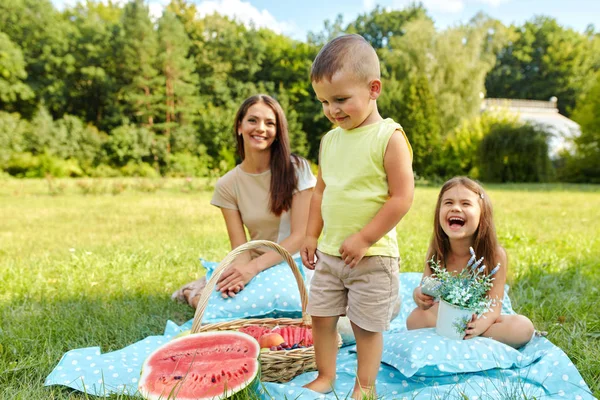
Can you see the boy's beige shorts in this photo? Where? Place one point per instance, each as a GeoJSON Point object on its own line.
{"type": "Point", "coordinates": [367, 293]}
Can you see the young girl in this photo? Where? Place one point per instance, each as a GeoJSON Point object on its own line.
{"type": "Point", "coordinates": [463, 218]}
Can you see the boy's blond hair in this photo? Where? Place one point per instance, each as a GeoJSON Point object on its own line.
{"type": "Point", "coordinates": [350, 52]}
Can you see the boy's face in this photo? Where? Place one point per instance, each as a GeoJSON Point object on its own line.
{"type": "Point", "coordinates": [347, 101]}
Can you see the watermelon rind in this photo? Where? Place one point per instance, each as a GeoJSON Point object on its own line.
{"type": "Point", "coordinates": [145, 384]}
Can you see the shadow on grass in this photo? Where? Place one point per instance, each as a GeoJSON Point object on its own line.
{"type": "Point", "coordinates": [34, 336]}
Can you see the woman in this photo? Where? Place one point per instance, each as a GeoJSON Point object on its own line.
{"type": "Point", "coordinates": [268, 193]}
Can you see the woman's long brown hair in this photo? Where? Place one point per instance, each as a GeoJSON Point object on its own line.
{"type": "Point", "coordinates": [283, 176]}
{"type": "Point", "coordinates": [485, 241]}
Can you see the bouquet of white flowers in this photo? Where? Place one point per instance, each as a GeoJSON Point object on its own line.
{"type": "Point", "coordinates": [467, 289]}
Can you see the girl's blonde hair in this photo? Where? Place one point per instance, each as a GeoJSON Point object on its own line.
{"type": "Point", "coordinates": [485, 242]}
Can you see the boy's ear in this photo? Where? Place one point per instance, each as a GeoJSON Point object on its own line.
{"type": "Point", "coordinates": [374, 89]}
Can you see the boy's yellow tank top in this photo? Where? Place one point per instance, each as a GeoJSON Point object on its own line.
{"type": "Point", "coordinates": [356, 185]}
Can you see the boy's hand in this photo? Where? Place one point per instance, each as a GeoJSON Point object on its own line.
{"type": "Point", "coordinates": [354, 249]}
{"type": "Point", "coordinates": [424, 301]}
{"type": "Point", "coordinates": [307, 251]}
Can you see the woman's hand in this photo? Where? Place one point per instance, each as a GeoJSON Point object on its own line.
{"type": "Point", "coordinates": [424, 301]}
{"type": "Point", "coordinates": [235, 278]}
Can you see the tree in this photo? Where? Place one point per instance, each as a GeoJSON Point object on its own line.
{"type": "Point", "coordinates": [92, 87]}
{"type": "Point", "coordinates": [515, 153]}
{"type": "Point", "coordinates": [42, 34]}
{"type": "Point", "coordinates": [544, 60]}
{"type": "Point", "coordinates": [583, 166]}
{"type": "Point", "coordinates": [380, 25]}
{"type": "Point", "coordinates": [178, 80]}
{"type": "Point", "coordinates": [136, 53]}
{"type": "Point", "coordinates": [454, 61]}
{"type": "Point", "coordinates": [413, 105]}
{"type": "Point", "coordinates": [12, 75]}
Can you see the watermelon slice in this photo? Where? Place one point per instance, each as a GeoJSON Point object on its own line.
{"type": "Point", "coordinates": [207, 365]}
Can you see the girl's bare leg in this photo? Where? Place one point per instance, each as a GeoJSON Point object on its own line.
{"type": "Point", "coordinates": [419, 318]}
{"type": "Point", "coordinates": [513, 330]}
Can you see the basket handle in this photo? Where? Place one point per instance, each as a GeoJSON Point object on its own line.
{"type": "Point", "coordinates": [210, 285]}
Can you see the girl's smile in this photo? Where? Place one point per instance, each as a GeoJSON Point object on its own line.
{"type": "Point", "coordinates": [459, 212]}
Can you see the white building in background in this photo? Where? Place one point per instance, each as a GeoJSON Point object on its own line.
{"type": "Point", "coordinates": [544, 113]}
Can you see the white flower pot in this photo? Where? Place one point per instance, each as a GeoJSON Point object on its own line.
{"type": "Point", "coordinates": [452, 320]}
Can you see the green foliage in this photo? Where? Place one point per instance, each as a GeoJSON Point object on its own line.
{"type": "Point", "coordinates": [78, 75]}
{"type": "Point", "coordinates": [178, 81]}
{"type": "Point", "coordinates": [27, 165]}
{"type": "Point", "coordinates": [187, 165]}
{"type": "Point", "coordinates": [139, 169]}
{"type": "Point", "coordinates": [459, 154]}
{"type": "Point", "coordinates": [468, 288]}
{"type": "Point", "coordinates": [583, 165]}
{"type": "Point", "coordinates": [380, 25]}
{"type": "Point", "coordinates": [129, 144]}
{"type": "Point", "coordinates": [413, 105]}
{"type": "Point", "coordinates": [12, 74]}
{"type": "Point", "coordinates": [543, 60]}
{"type": "Point", "coordinates": [136, 61]}
{"type": "Point", "coordinates": [454, 61]}
{"type": "Point", "coordinates": [12, 135]}
{"type": "Point", "coordinates": [43, 36]}
{"type": "Point", "coordinates": [515, 153]}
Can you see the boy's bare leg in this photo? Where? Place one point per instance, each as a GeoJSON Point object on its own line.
{"type": "Point", "coordinates": [513, 330]}
{"type": "Point", "coordinates": [369, 347]}
{"type": "Point", "coordinates": [326, 348]}
{"type": "Point", "coordinates": [419, 318]}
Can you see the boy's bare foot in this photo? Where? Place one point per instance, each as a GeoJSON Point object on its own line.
{"type": "Point", "coordinates": [320, 385]}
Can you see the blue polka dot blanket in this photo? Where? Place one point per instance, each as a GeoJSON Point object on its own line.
{"type": "Point", "coordinates": [416, 364]}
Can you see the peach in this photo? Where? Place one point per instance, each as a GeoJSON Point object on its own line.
{"type": "Point", "coordinates": [269, 340]}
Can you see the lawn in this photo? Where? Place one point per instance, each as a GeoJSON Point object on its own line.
{"type": "Point", "coordinates": [93, 263]}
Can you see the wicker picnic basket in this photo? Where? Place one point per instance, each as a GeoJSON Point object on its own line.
{"type": "Point", "coordinates": [276, 366]}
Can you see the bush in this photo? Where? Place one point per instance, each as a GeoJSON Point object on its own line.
{"type": "Point", "coordinates": [12, 136]}
{"type": "Point", "coordinates": [129, 144]}
{"type": "Point", "coordinates": [104, 171]}
{"type": "Point", "coordinates": [27, 165]}
{"type": "Point", "coordinates": [460, 151]}
{"type": "Point", "coordinates": [185, 164]}
{"type": "Point", "coordinates": [143, 170]}
{"type": "Point", "coordinates": [515, 153]}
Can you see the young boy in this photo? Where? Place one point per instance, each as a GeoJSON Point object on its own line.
{"type": "Point", "coordinates": [364, 187]}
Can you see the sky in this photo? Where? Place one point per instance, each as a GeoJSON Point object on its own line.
{"type": "Point", "coordinates": [297, 18]}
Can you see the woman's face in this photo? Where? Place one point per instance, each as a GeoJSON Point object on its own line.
{"type": "Point", "coordinates": [258, 128]}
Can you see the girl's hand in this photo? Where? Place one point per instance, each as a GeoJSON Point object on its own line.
{"type": "Point", "coordinates": [308, 252]}
{"type": "Point", "coordinates": [475, 327]}
{"type": "Point", "coordinates": [354, 249]}
{"type": "Point", "coordinates": [424, 301]}
{"type": "Point", "coordinates": [235, 278]}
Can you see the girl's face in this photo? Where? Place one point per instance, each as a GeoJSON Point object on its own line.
{"type": "Point", "coordinates": [258, 128]}
{"type": "Point", "coordinates": [459, 212]}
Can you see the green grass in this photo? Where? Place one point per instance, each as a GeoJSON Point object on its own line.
{"type": "Point", "coordinates": [97, 269]}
